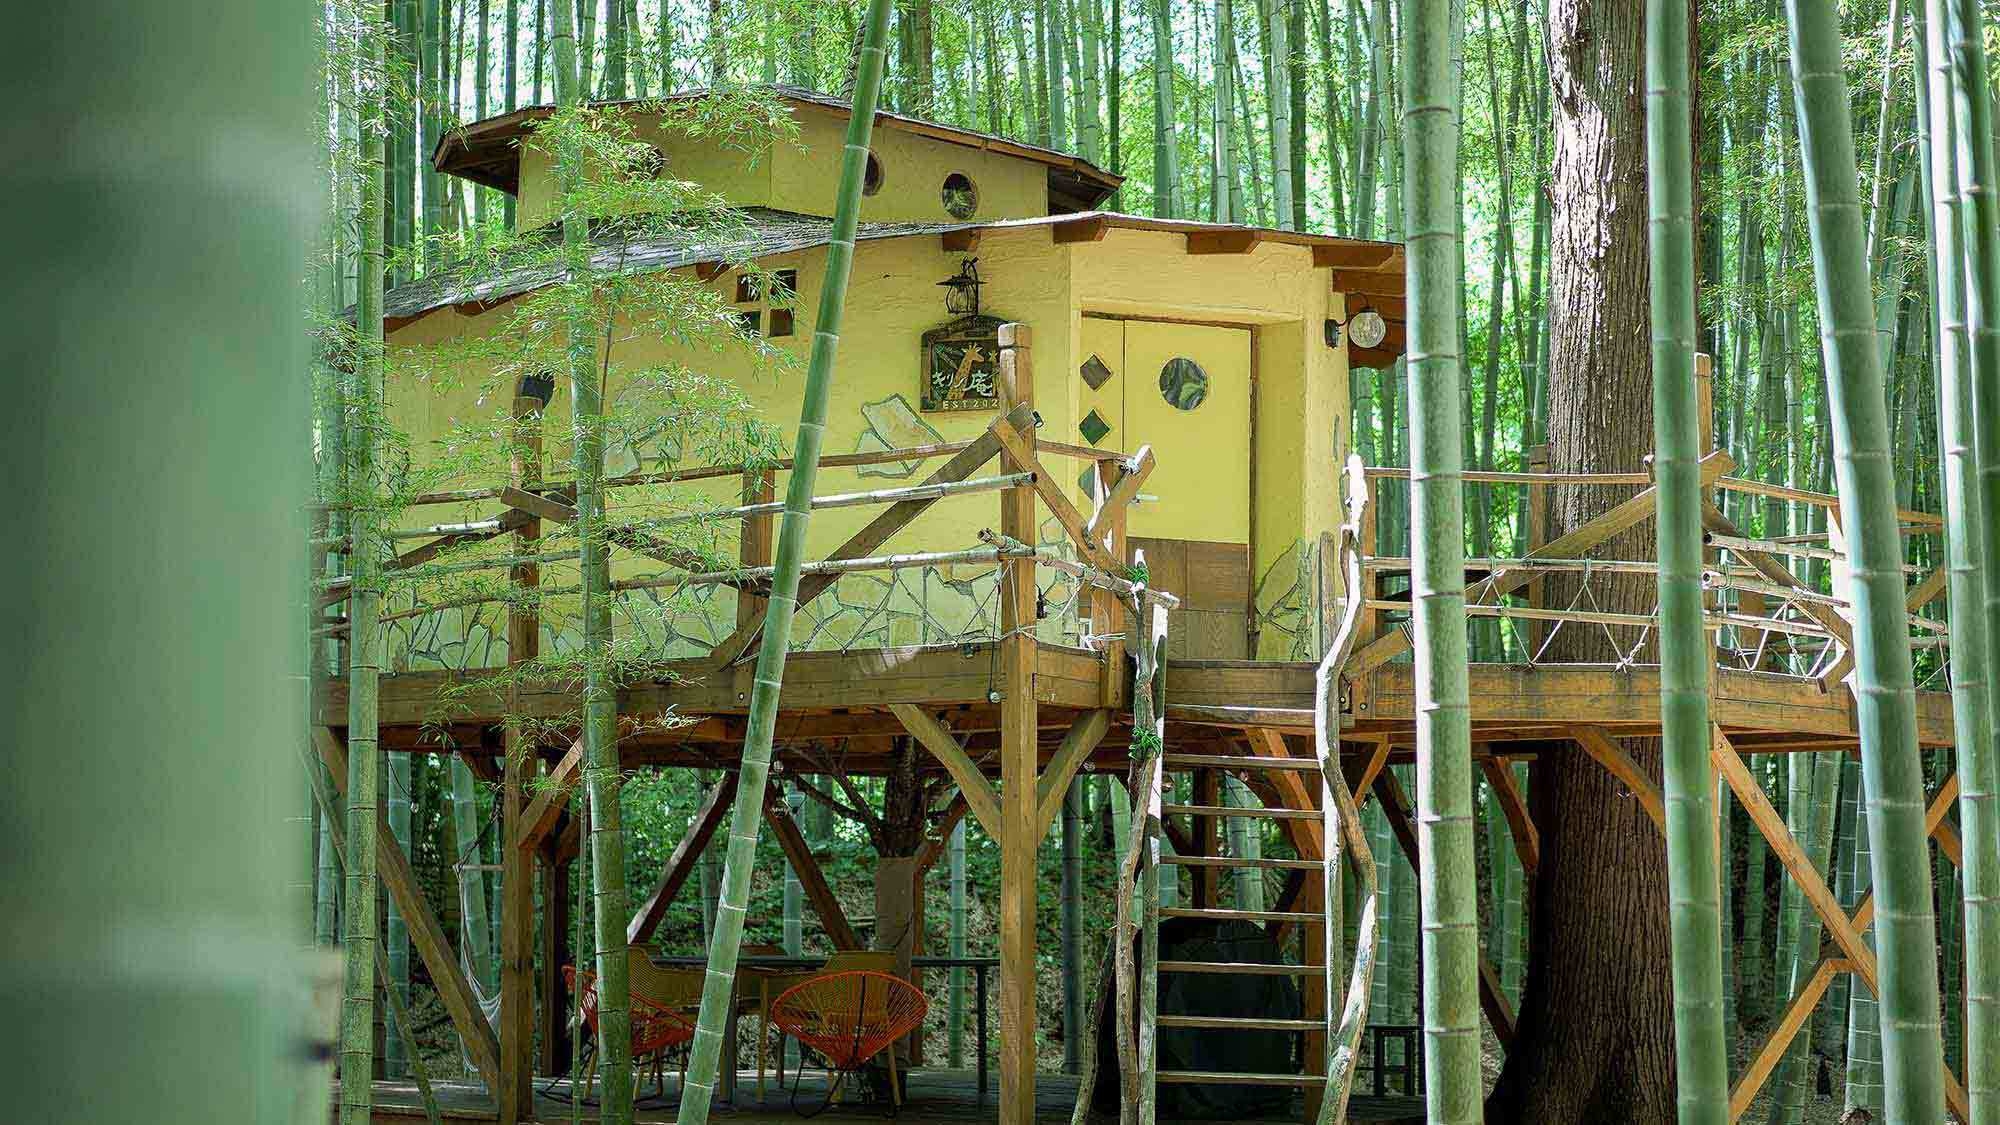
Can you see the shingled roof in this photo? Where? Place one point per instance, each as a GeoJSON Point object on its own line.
{"type": "Point", "coordinates": [1375, 268]}
{"type": "Point", "coordinates": [488, 152]}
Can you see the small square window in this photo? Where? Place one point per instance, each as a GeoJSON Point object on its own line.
{"type": "Point", "coordinates": [785, 287]}
{"type": "Point", "coordinates": [751, 320]}
{"type": "Point", "coordinates": [748, 289]}
{"type": "Point", "coordinates": [781, 322]}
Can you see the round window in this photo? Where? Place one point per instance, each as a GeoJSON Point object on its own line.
{"type": "Point", "coordinates": [871, 180]}
{"type": "Point", "coordinates": [1183, 383]}
{"type": "Point", "coordinates": [961, 199]}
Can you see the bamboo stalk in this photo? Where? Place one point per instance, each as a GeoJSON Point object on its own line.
{"type": "Point", "coordinates": [1450, 885]}
{"type": "Point", "coordinates": [1970, 409]}
{"type": "Point", "coordinates": [1913, 1054]}
{"type": "Point", "coordinates": [718, 990]}
{"type": "Point", "coordinates": [357, 1021]}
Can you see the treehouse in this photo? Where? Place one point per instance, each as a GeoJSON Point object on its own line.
{"type": "Point", "coordinates": [1033, 395]}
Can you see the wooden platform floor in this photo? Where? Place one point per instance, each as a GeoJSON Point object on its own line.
{"type": "Point", "coordinates": [934, 1095]}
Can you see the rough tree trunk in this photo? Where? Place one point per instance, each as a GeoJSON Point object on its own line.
{"type": "Point", "coordinates": [1596, 1022]}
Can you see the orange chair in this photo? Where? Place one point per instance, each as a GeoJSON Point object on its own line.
{"type": "Point", "coordinates": [656, 1029]}
{"type": "Point", "coordinates": [850, 1017]}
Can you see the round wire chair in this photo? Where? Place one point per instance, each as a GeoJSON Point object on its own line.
{"type": "Point", "coordinates": [656, 1028]}
{"type": "Point", "coordinates": [849, 1018]}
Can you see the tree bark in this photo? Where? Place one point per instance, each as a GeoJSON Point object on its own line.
{"type": "Point", "coordinates": [1595, 1030]}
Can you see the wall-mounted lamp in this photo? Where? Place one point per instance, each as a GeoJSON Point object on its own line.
{"type": "Point", "coordinates": [1365, 329]}
{"type": "Point", "coordinates": [961, 291]}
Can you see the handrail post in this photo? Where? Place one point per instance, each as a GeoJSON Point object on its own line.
{"type": "Point", "coordinates": [517, 867]}
{"type": "Point", "coordinates": [1019, 763]}
{"type": "Point", "coordinates": [1107, 614]}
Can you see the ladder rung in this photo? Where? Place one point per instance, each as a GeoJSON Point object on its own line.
{"type": "Point", "coordinates": [1233, 811]}
{"type": "Point", "coordinates": [1237, 1078]}
{"type": "Point", "coordinates": [1240, 762]}
{"type": "Point", "coordinates": [1233, 861]}
{"type": "Point", "coordinates": [1243, 968]}
{"type": "Point", "coordinates": [1240, 915]}
{"type": "Point", "coordinates": [1241, 1023]}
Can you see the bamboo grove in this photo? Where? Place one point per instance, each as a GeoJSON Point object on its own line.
{"type": "Point", "coordinates": [1852, 320]}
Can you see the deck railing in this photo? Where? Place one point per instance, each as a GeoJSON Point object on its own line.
{"type": "Point", "coordinates": [444, 619]}
{"type": "Point", "coordinates": [1766, 610]}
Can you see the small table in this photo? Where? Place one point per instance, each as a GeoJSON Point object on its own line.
{"type": "Point", "coordinates": [775, 964]}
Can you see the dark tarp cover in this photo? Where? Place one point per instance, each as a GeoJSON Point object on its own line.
{"type": "Point", "coordinates": [1214, 994]}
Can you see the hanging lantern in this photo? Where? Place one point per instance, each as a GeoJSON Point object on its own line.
{"type": "Point", "coordinates": [961, 291]}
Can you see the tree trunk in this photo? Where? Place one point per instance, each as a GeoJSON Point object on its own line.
{"type": "Point", "coordinates": [1595, 1035]}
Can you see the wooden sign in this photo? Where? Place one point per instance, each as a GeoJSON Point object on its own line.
{"type": "Point", "coordinates": [961, 362]}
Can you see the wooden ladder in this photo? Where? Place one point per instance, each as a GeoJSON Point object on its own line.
{"type": "Point", "coordinates": [1202, 817]}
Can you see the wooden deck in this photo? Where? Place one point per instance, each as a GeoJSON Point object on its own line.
{"type": "Point", "coordinates": [832, 695]}
{"type": "Point", "coordinates": [934, 1096]}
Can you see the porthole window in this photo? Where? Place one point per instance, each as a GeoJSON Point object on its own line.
{"type": "Point", "coordinates": [961, 199]}
{"type": "Point", "coordinates": [1183, 383]}
{"type": "Point", "coordinates": [871, 180]}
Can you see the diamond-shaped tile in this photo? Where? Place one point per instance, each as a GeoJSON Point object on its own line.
{"type": "Point", "coordinates": [1093, 427]}
{"type": "Point", "coordinates": [1094, 373]}
{"type": "Point", "coordinates": [1087, 483]}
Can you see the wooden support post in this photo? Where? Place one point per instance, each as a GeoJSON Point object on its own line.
{"type": "Point", "coordinates": [1019, 763]}
{"type": "Point", "coordinates": [541, 815]}
{"type": "Point", "coordinates": [556, 928]}
{"type": "Point", "coordinates": [1772, 1050]}
{"type": "Point", "coordinates": [454, 991]}
{"type": "Point", "coordinates": [972, 784]}
{"type": "Point", "coordinates": [516, 1096]}
{"type": "Point", "coordinates": [1207, 836]}
{"type": "Point", "coordinates": [1050, 790]}
{"type": "Point", "coordinates": [1514, 806]}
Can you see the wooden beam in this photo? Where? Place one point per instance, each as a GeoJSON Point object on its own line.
{"type": "Point", "coordinates": [1602, 745]}
{"type": "Point", "coordinates": [686, 854]}
{"type": "Point", "coordinates": [1527, 841]}
{"type": "Point", "coordinates": [1230, 240]}
{"type": "Point", "coordinates": [1926, 591]}
{"type": "Point", "coordinates": [1772, 1050]}
{"type": "Point", "coordinates": [934, 845]}
{"type": "Point", "coordinates": [1292, 790]}
{"type": "Point", "coordinates": [961, 241]}
{"type": "Point", "coordinates": [1122, 493]}
{"type": "Point", "coordinates": [542, 813]}
{"type": "Point", "coordinates": [805, 865]}
{"type": "Point", "coordinates": [1353, 255]}
{"type": "Point", "coordinates": [972, 784]}
{"type": "Point", "coordinates": [1047, 487]}
{"type": "Point", "coordinates": [1386, 284]}
{"type": "Point", "coordinates": [879, 530]}
{"type": "Point", "coordinates": [1090, 228]}
{"type": "Point", "coordinates": [393, 868]}
{"type": "Point", "coordinates": [1492, 999]}
{"type": "Point", "coordinates": [1019, 759]}
{"type": "Point", "coordinates": [1363, 782]}
{"type": "Point", "coordinates": [1078, 741]}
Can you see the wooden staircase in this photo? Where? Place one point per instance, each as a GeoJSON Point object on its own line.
{"type": "Point", "coordinates": [1201, 823]}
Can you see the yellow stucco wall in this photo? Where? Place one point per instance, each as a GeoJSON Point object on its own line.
{"type": "Point", "coordinates": [739, 171]}
{"type": "Point", "coordinates": [797, 174]}
{"type": "Point", "coordinates": [913, 173]}
{"type": "Point", "coordinates": [893, 298]}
